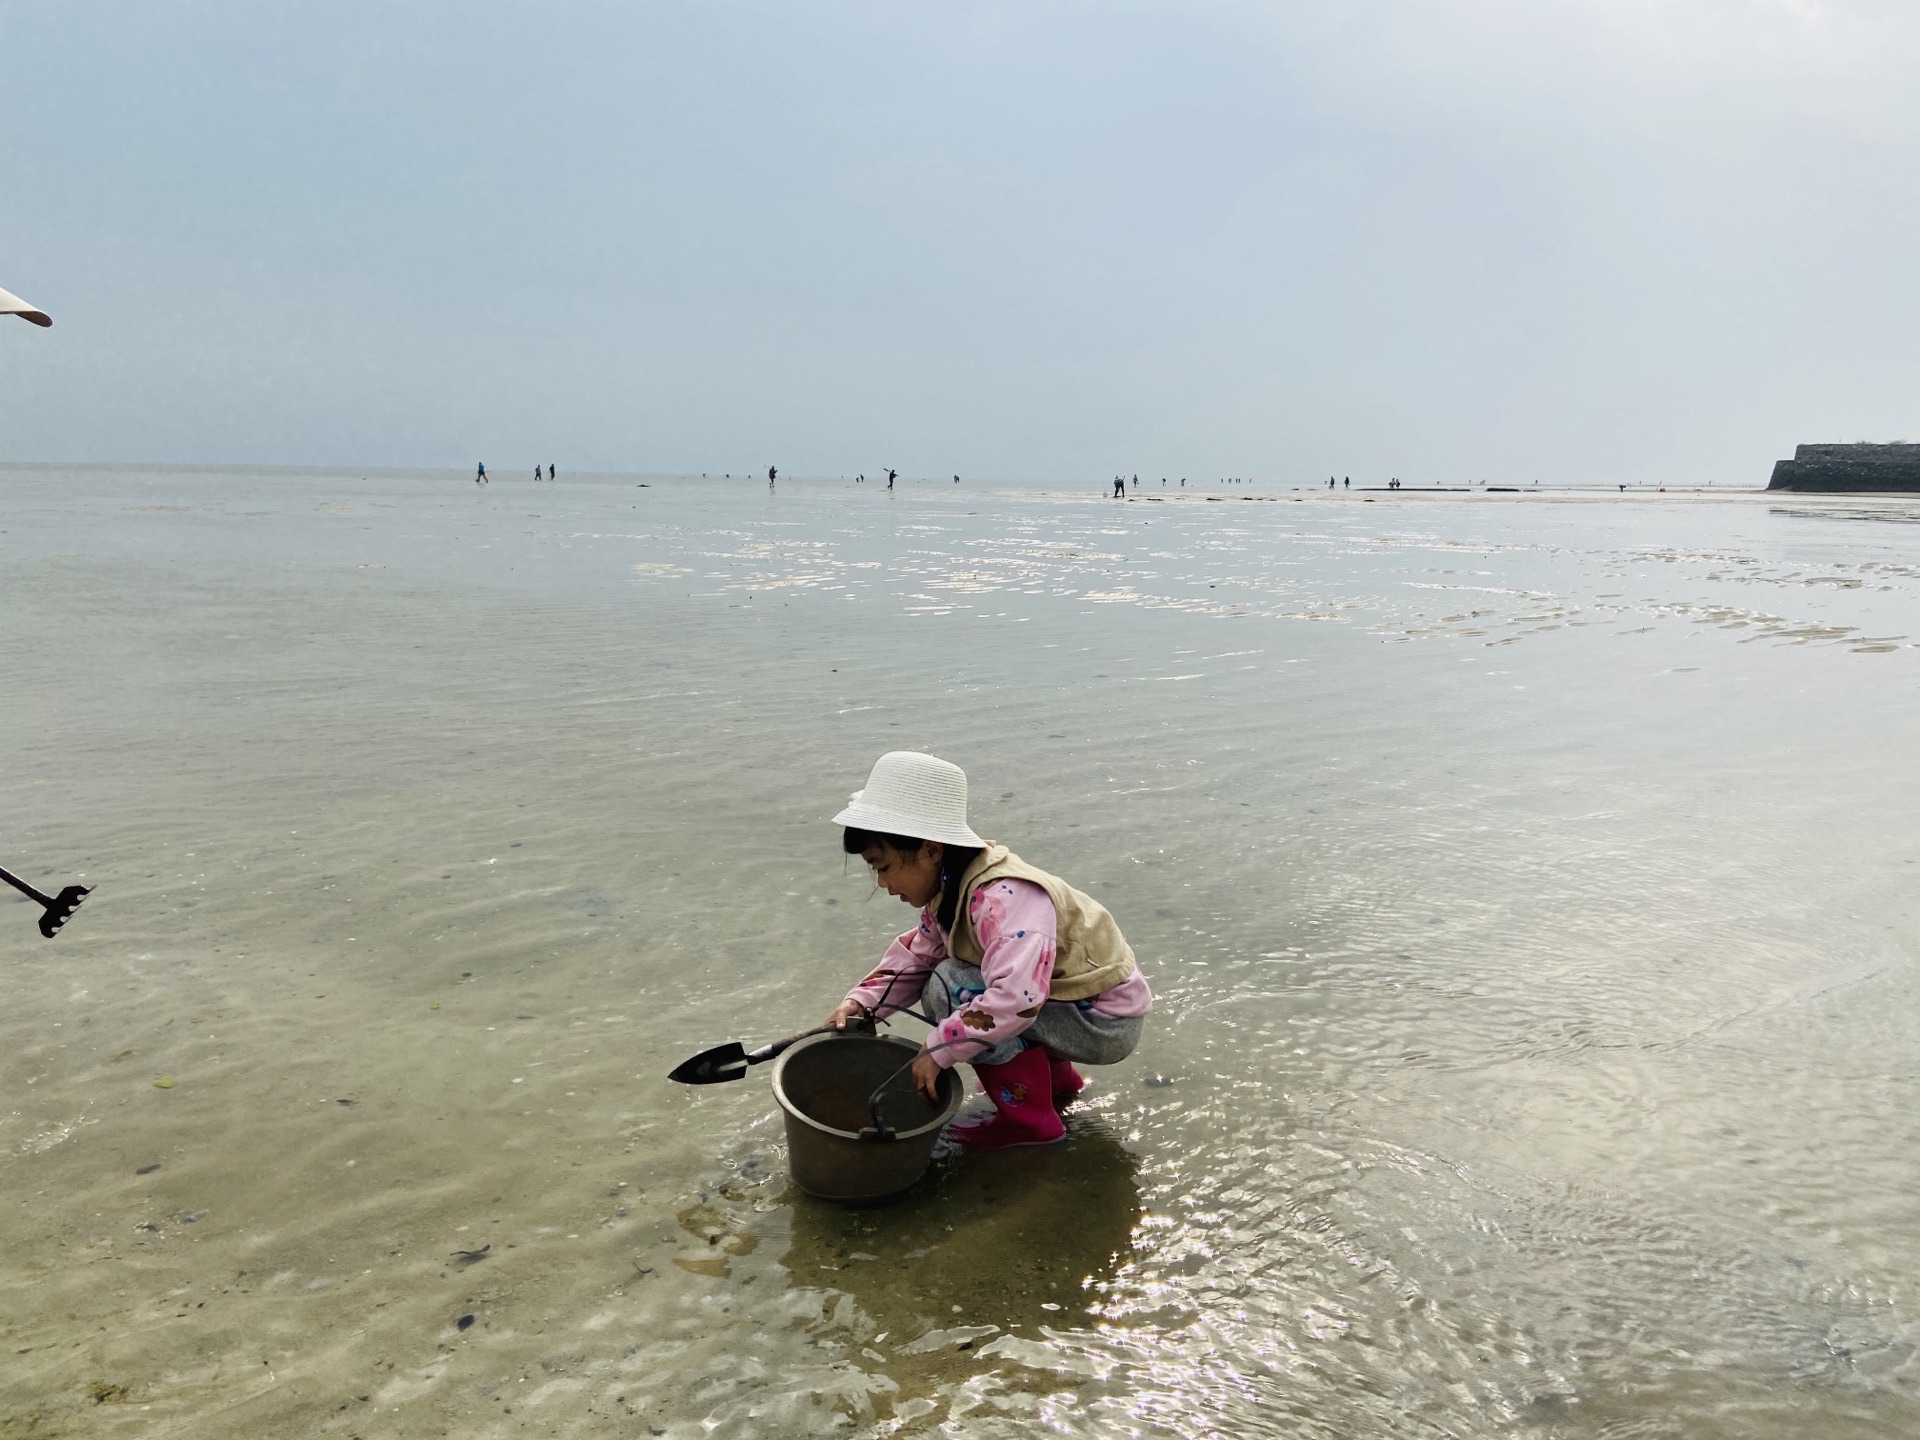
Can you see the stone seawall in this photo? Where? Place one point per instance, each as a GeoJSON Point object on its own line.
{"type": "Point", "coordinates": [1849, 468]}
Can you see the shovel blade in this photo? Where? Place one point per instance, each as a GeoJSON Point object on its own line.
{"type": "Point", "coordinates": [713, 1067]}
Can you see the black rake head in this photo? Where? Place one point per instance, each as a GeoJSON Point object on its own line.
{"type": "Point", "coordinates": [60, 909]}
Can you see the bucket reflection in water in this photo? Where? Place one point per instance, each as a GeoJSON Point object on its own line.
{"type": "Point", "coordinates": [1015, 1239]}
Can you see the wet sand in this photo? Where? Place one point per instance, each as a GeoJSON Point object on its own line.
{"type": "Point", "coordinates": [1526, 882]}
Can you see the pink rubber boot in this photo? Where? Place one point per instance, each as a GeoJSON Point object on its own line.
{"type": "Point", "coordinates": [1067, 1081]}
{"type": "Point", "coordinates": [1022, 1093]}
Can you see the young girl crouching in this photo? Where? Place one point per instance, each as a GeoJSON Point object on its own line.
{"type": "Point", "coordinates": [1022, 974]}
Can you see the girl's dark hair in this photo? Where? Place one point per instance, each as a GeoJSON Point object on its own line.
{"type": "Point", "coordinates": [954, 860]}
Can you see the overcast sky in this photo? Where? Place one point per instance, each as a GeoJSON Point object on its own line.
{"type": "Point", "coordinates": [1565, 240]}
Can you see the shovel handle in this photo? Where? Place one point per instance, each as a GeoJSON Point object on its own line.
{"type": "Point", "coordinates": [767, 1052]}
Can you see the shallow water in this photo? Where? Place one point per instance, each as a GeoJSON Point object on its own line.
{"type": "Point", "coordinates": [1525, 882]}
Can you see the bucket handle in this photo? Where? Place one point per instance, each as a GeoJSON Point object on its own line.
{"type": "Point", "coordinates": [880, 1132]}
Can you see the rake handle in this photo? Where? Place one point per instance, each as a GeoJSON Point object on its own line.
{"type": "Point", "coordinates": [24, 888]}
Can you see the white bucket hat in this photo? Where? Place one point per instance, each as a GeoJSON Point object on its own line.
{"type": "Point", "coordinates": [909, 793]}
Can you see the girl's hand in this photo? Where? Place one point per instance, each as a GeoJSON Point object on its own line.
{"type": "Point", "coordinates": [846, 1010]}
{"type": "Point", "coordinates": [926, 1077]}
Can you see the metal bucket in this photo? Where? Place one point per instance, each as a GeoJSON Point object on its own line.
{"type": "Point", "coordinates": [823, 1085]}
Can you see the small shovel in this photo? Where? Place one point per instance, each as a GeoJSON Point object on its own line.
{"type": "Point", "coordinates": [59, 907]}
{"type": "Point", "coordinates": [730, 1061]}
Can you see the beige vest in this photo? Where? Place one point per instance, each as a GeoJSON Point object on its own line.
{"type": "Point", "coordinates": [1090, 953]}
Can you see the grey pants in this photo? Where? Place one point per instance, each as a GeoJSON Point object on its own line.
{"type": "Point", "coordinates": [1065, 1027]}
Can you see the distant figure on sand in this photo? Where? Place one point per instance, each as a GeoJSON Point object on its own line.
{"type": "Point", "coordinates": [1119, 486]}
{"type": "Point", "coordinates": [551, 472]}
{"type": "Point", "coordinates": [773, 472]}
{"type": "Point", "coordinates": [480, 475]}
{"type": "Point", "coordinates": [890, 475]}
{"type": "Point", "coordinates": [956, 479]}
{"type": "Point", "coordinates": [1347, 484]}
